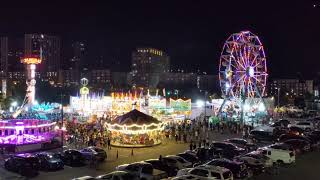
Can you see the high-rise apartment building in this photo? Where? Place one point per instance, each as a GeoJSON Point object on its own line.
{"type": "Point", "coordinates": [294, 87]}
{"type": "Point", "coordinates": [3, 57]}
{"type": "Point", "coordinates": [77, 61]}
{"type": "Point", "coordinates": [147, 66]}
{"type": "Point", "coordinates": [48, 48]}
{"type": "Point", "coordinates": [11, 51]}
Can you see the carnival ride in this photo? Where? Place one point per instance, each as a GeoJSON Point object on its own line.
{"type": "Point", "coordinates": [135, 129]}
{"type": "Point", "coordinates": [25, 131]}
{"type": "Point", "coordinates": [243, 72]}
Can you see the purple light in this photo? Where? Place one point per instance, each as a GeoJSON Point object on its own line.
{"type": "Point", "coordinates": [18, 128]}
{"type": "Point", "coordinates": [23, 139]}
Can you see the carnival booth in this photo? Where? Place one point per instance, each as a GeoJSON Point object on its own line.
{"type": "Point", "coordinates": [135, 129]}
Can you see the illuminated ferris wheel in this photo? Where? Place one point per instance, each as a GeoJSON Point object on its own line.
{"type": "Point", "coordinates": [242, 67]}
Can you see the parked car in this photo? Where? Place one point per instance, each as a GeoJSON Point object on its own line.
{"type": "Point", "coordinates": [227, 150]}
{"type": "Point", "coordinates": [176, 162]}
{"type": "Point", "coordinates": [207, 172]}
{"type": "Point", "coordinates": [281, 123]}
{"type": "Point", "coordinates": [314, 135]}
{"type": "Point", "coordinates": [260, 135]}
{"type": "Point", "coordinates": [143, 171]}
{"type": "Point", "coordinates": [267, 162]}
{"type": "Point", "coordinates": [72, 157]}
{"type": "Point", "coordinates": [189, 157]}
{"type": "Point", "coordinates": [285, 137]}
{"type": "Point", "coordinates": [159, 164]}
{"type": "Point", "coordinates": [282, 146]}
{"type": "Point", "coordinates": [238, 169]}
{"type": "Point", "coordinates": [204, 154]}
{"type": "Point", "coordinates": [299, 145]}
{"type": "Point", "coordinates": [24, 164]}
{"type": "Point", "coordinates": [278, 131]}
{"type": "Point", "coordinates": [305, 125]}
{"type": "Point", "coordinates": [279, 156]}
{"type": "Point", "coordinates": [49, 161]}
{"type": "Point", "coordinates": [186, 177]}
{"type": "Point", "coordinates": [118, 175]}
{"type": "Point", "coordinates": [98, 153]}
{"type": "Point", "coordinates": [84, 178]}
{"type": "Point", "coordinates": [242, 143]}
{"type": "Point", "coordinates": [296, 130]}
{"type": "Point", "coordinates": [255, 165]}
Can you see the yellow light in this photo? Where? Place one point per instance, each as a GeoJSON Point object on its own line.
{"type": "Point", "coordinates": [84, 91]}
{"type": "Point", "coordinates": [141, 129]}
{"type": "Point", "coordinates": [31, 60]}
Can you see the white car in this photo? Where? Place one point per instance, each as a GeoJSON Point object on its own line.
{"type": "Point", "coordinates": [207, 172]}
{"type": "Point", "coordinates": [307, 126]}
{"type": "Point", "coordinates": [279, 155]}
{"type": "Point", "coordinates": [143, 170]}
{"type": "Point", "coordinates": [118, 175]}
{"type": "Point", "coordinates": [176, 162]}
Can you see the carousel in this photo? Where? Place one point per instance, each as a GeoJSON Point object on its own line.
{"type": "Point", "coordinates": [135, 129]}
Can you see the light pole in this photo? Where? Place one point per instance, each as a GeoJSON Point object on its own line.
{"type": "Point", "coordinates": [205, 104]}
{"type": "Point", "coordinates": [278, 96]}
{"type": "Point", "coordinates": [61, 121]}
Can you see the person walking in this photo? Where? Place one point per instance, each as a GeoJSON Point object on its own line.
{"type": "Point", "coordinates": [191, 146]}
{"type": "Point", "coordinates": [109, 143]}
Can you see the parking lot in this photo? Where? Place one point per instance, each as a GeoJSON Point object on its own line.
{"type": "Point", "coordinates": [304, 168]}
{"type": "Point", "coordinates": [168, 147]}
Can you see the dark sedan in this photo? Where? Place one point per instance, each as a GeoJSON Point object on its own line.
{"type": "Point", "coordinates": [49, 161]}
{"type": "Point", "coordinates": [257, 136]}
{"type": "Point", "coordinates": [189, 157]}
{"type": "Point", "coordinates": [160, 165]}
{"type": "Point", "coordinates": [72, 157]}
{"type": "Point", "coordinates": [242, 143]}
{"type": "Point", "coordinates": [285, 137]}
{"type": "Point", "coordinates": [227, 150]}
{"type": "Point", "coordinates": [24, 164]}
{"type": "Point", "coordinates": [299, 145]}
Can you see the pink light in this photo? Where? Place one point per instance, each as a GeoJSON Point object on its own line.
{"type": "Point", "coordinates": [23, 139]}
{"type": "Point", "coordinates": [36, 126]}
{"type": "Point", "coordinates": [19, 123]}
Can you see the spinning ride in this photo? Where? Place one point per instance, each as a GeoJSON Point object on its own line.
{"type": "Point", "coordinates": [243, 71]}
{"type": "Point", "coordinates": [135, 129]}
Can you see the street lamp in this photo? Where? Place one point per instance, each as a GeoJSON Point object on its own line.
{"type": "Point", "coordinates": [14, 104]}
{"type": "Point", "coordinates": [279, 97]}
{"type": "Point", "coordinates": [200, 103]}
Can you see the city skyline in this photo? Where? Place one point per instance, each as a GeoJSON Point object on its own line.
{"type": "Point", "coordinates": [192, 38]}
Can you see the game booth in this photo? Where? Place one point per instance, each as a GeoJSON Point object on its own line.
{"type": "Point", "coordinates": [135, 129]}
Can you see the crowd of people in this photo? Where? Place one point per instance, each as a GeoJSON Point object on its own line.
{"type": "Point", "coordinates": [82, 135]}
{"type": "Point", "coordinates": [197, 132]}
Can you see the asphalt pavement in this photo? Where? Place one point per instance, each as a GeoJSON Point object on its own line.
{"type": "Point", "coordinates": [306, 165]}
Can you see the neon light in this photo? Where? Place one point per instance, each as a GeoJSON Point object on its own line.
{"type": "Point", "coordinates": [36, 126]}
{"type": "Point", "coordinates": [31, 60]}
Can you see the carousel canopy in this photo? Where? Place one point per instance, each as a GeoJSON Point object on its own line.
{"type": "Point", "coordinates": [135, 117]}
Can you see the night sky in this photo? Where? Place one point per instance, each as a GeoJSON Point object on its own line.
{"type": "Point", "coordinates": [191, 32]}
